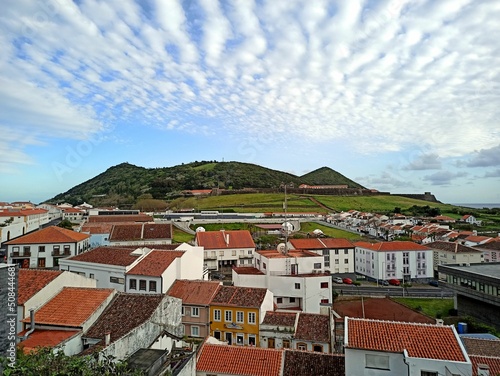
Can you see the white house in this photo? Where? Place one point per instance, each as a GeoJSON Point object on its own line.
{"type": "Point", "coordinates": [297, 279]}
{"type": "Point", "coordinates": [374, 347]}
{"type": "Point", "coordinates": [402, 260]}
{"type": "Point", "coordinates": [46, 247]}
{"type": "Point", "coordinates": [74, 215]}
{"type": "Point", "coordinates": [338, 253]}
{"type": "Point", "coordinates": [453, 253]}
{"type": "Point", "coordinates": [37, 286]}
{"type": "Point", "coordinates": [226, 248]}
{"type": "Point", "coordinates": [15, 223]}
{"type": "Point", "coordinates": [470, 219]}
{"type": "Point", "coordinates": [53, 211]}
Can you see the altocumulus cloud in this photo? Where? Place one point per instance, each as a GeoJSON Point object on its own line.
{"type": "Point", "coordinates": [379, 76]}
{"type": "Point", "coordinates": [444, 177]}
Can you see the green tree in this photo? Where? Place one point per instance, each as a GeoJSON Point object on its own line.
{"type": "Point", "coordinates": [66, 223]}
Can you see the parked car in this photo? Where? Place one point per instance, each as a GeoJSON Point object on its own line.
{"type": "Point", "coordinates": [337, 280]}
{"type": "Point", "coordinates": [434, 283]}
{"type": "Point", "coordinates": [217, 276]}
{"type": "Point", "coordinates": [384, 283]}
{"type": "Point", "coordinates": [394, 282]}
{"type": "Point", "coordinates": [347, 281]}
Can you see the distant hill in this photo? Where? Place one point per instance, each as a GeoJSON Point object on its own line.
{"type": "Point", "coordinates": [125, 183]}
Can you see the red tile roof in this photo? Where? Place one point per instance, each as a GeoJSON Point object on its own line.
{"type": "Point", "coordinates": [107, 255]}
{"type": "Point", "coordinates": [279, 318]}
{"type": "Point", "coordinates": [337, 243]}
{"type": "Point", "coordinates": [313, 327]}
{"type": "Point", "coordinates": [140, 231]}
{"type": "Point", "coordinates": [155, 263]}
{"type": "Point", "coordinates": [218, 239]}
{"type": "Point", "coordinates": [52, 234]}
{"type": "Point", "coordinates": [477, 238]}
{"type": "Point", "coordinates": [97, 228]}
{"type": "Point", "coordinates": [493, 364]}
{"type": "Point", "coordinates": [45, 338]}
{"type": "Point", "coordinates": [250, 297]}
{"type": "Point", "coordinates": [323, 243]}
{"type": "Point", "coordinates": [420, 340]}
{"type": "Point", "coordinates": [392, 246]}
{"type": "Point", "coordinates": [482, 347]}
{"type": "Point", "coordinates": [312, 363]}
{"type": "Point", "coordinates": [273, 253]}
{"type": "Point", "coordinates": [71, 307]}
{"type": "Point", "coordinates": [194, 292]}
{"type": "Point", "coordinates": [452, 247]}
{"type": "Point", "coordinates": [124, 313]}
{"type": "Point", "coordinates": [247, 270]}
{"type": "Point", "coordinates": [239, 360]}
{"type": "Point", "coordinates": [31, 281]}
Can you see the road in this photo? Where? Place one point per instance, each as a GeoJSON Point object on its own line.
{"type": "Point", "coordinates": [414, 292]}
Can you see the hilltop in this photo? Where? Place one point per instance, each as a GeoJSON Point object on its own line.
{"type": "Point", "coordinates": [123, 184]}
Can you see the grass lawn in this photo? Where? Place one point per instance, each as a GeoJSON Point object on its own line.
{"type": "Point", "coordinates": [181, 236]}
{"type": "Point", "coordinates": [328, 231]}
{"type": "Point", "coordinates": [429, 306]}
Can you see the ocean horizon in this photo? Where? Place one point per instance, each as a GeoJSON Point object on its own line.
{"type": "Point", "coordinates": [479, 206]}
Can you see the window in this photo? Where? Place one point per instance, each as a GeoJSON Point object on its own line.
{"type": "Point", "coordinates": [346, 251]}
{"type": "Point", "coordinates": [317, 265]}
{"type": "Point", "coordinates": [55, 249]}
{"type": "Point", "coordinates": [251, 317]}
{"type": "Point", "coordinates": [66, 249]}
{"type": "Point", "coordinates": [152, 285]}
{"type": "Point", "coordinates": [26, 250]}
{"type": "Point", "coordinates": [346, 261]}
{"type": "Point", "coordinates": [324, 301]}
{"type": "Point", "coordinates": [195, 311]}
{"type": "Point", "coordinates": [428, 373]}
{"type": "Point", "coordinates": [297, 286]}
{"type": "Point", "coordinates": [41, 262]}
{"type": "Point", "coordinates": [250, 252]}
{"type": "Point", "coordinates": [292, 300]}
{"type": "Point", "coordinates": [251, 340]}
{"type": "Point", "coordinates": [317, 348]}
{"type": "Point", "coordinates": [118, 280]}
{"type": "Point", "coordinates": [336, 251]}
{"type": "Point", "coordinates": [132, 284]}
{"type": "Point", "coordinates": [264, 265]}
{"type": "Point", "coordinates": [377, 361]}
{"type": "Point", "coordinates": [216, 314]}
{"type": "Point", "coordinates": [286, 343]}
{"type": "Point", "coordinates": [183, 311]}
{"type": "Point", "coordinates": [324, 285]}
{"type": "Point", "coordinates": [228, 316]}
{"type": "Point", "coordinates": [239, 316]}
{"type": "Point", "coordinates": [142, 285]}
{"type": "Point", "coordinates": [41, 248]}
{"type": "Point", "coordinates": [301, 346]}
{"type": "Point", "coordinates": [233, 252]}
{"type": "Point", "coordinates": [279, 300]}
{"type": "Point", "coordinates": [336, 261]}
{"type": "Point", "coordinates": [195, 331]}
{"type": "Point", "coordinates": [221, 253]}
{"type": "Point", "coordinates": [239, 339]}
{"type": "Point", "coordinates": [91, 275]}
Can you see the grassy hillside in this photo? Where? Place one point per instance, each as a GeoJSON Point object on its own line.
{"type": "Point", "coordinates": [125, 183]}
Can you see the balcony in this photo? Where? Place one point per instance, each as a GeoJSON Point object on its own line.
{"type": "Point", "coordinates": [21, 254]}
{"type": "Point", "coordinates": [64, 253]}
{"type": "Point", "coordinates": [246, 256]}
{"type": "Point", "coordinates": [207, 257]}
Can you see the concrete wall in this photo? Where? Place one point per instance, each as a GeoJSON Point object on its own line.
{"type": "Point", "coordinates": [482, 311]}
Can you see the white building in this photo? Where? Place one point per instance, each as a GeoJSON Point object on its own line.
{"type": "Point", "coordinates": [374, 347]}
{"type": "Point", "coordinates": [338, 253]}
{"type": "Point", "coordinates": [53, 211]}
{"type": "Point", "coordinates": [297, 279]}
{"type": "Point", "coordinates": [226, 248]}
{"type": "Point", "coordinates": [401, 260]}
{"type": "Point", "coordinates": [15, 223]}
{"type": "Point", "coordinates": [453, 253]}
{"type": "Point", "coordinates": [46, 247]}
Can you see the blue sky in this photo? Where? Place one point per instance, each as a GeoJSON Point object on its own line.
{"type": "Point", "coordinates": [400, 96]}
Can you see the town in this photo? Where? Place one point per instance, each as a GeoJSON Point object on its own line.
{"type": "Point", "coordinates": [114, 282]}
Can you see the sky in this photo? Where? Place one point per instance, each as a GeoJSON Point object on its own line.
{"type": "Point", "coordinates": [400, 96]}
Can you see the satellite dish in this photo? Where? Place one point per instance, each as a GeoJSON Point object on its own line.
{"type": "Point", "coordinates": [281, 247]}
{"type": "Point", "coordinates": [200, 229]}
{"type": "Point", "coordinates": [287, 226]}
{"type": "Point", "coordinates": [318, 232]}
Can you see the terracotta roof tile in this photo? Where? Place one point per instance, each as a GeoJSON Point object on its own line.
{"type": "Point", "coordinates": [337, 243]}
{"type": "Point", "coordinates": [140, 231]}
{"type": "Point", "coordinates": [452, 247]}
{"type": "Point", "coordinates": [71, 307]}
{"type": "Point", "coordinates": [250, 270]}
{"type": "Point", "coordinates": [194, 292]}
{"type": "Point", "coordinates": [492, 245]}
{"type": "Point", "coordinates": [482, 347]}
{"type": "Point", "coordinates": [420, 340]}
{"type": "Point", "coordinates": [278, 318]}
{"type": "Point", "coordinates": [97, 228]}
{"type": "Point", "coordinates": [312, 363]}
{"type": "Point", "coordinates": [52, 234]}
{"type": "Point", "coordinates": [124, 313]}
{"type": "Point", "coordinates": [313, 327]}
{"type": "Point", "coordinates": [107, 255]}
{"type": "Point", "coordinates": [218, 239]}
{"type": "Point", "coordinates": [155, 263]}
{"type": "Point", "coordinates": [493, 364]}
{"type": "Point", "coordinates": [239, 360]}
{"type": "Point", "coordinates": [251, 297]}
{"type": "Point", "coordinates": [45, 338]}
{"type": "Point", "coordinates": [477, 238]}
{"type": "Point", "coordinates": [31, 281]}
{"type": "Point", "coordinates": [393, 246]}
{"type": "Point", "coordinates": [120, 218]}
{"type": "Point", "coordinates": [323, 243]}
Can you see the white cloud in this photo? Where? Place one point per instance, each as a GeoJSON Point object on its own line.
{"type": "Point", "coordinates": [393, 76]}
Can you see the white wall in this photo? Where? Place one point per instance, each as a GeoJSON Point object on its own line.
{"type": "Point", "coordinates": [355, 363]}
{"type": "Point", "coordinates": [101, 272]}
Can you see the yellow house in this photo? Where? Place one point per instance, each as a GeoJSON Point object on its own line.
{"type": "Point", "coordinates": [236, 313]}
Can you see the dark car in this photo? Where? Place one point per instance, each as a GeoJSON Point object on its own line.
{"type": "Point", "coordinates": [218, 276]}
{"type": "Point", "coordinates": [384, 283]}
{"type": "Point", "coordinates": [394, 282]}
{"type": "Point", "coordinates": [434, 283]}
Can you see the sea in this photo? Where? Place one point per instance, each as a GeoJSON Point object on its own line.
{"type": "Point", "coordinates": [479, 206]}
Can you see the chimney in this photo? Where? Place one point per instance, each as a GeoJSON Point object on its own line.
{"type": "Point", "coordinates": [227, 239]}
{"type": "Point", "coordinates": [107, 338]}
{"type": "Point", "coordinates": [483, 370]}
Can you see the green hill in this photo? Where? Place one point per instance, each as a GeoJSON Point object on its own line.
{"type": "Point", "coordinates": [123, 184]}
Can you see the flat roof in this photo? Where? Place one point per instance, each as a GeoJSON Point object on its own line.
{"type": "Point", "coordinates": [490, 269]}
